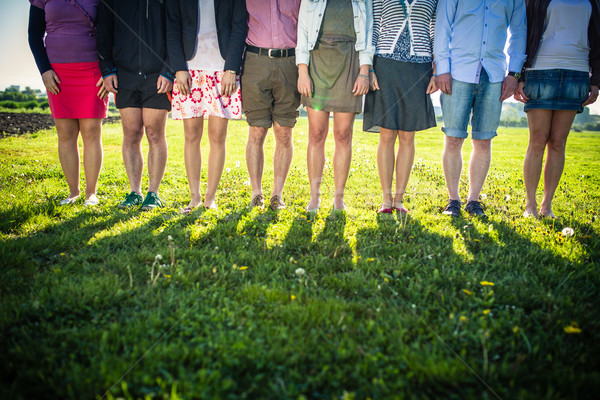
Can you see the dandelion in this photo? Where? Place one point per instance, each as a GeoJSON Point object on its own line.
{"type": "Point", "coordinates": [243, 268]}
{"type": "Point", "coordinates": [214, 270]}
{"type": "Point", "coordinates": [246, 183]}
{"type": "Point", "coordinates": [483, 196]}
{"type": "Point", "coordinates": [463, 319]}
{"type": "Point", "coordinates": [62, 254]}
{"type": "Point", "coordinates": [158, 257]}
{"type": "Point", "coordinates": [351, 169]}
{"type": "Point", "coordinates": [292, 297]}
{"type": "Point", "coordinates": [467, 292]}
{"type": "Point", "coordinates": [486, 283]}
{"type": "Point", "coordinates": [370, 259]}
{"type": "Point", "coordinates": [486, 311]}
{"type": "Point", "coordinates": [300, 272]}
{"type": "Point", "coordinates": [420, 160]}
{"type": "Point", "coordinates": [237, 164]}
{"type": "Point", "coordinates": [568, 232]}
{"type": "Point", "coordinates": [386, 280]}
{"type": "Point", "coordinates": [516, 329]}
{"type": "Point", "coordinates": [573, 328]}
{"type": "Point", "coordinates": [451, 316]}
{"type": "Point", "coordinates": [227, 169]}
{"type": "Point", "coordinates": [170, 238]}
{"type": "Point", "coordinates": [507, 197]}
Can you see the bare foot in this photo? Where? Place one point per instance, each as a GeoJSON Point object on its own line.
{"type": "Point", "coordinates": [530, 212]}
{"type": "Point", "coordinates": [399, 206]}
{"type": "Point", "coordinates": [339, 205]}
{"type": "Point", "coordinates": [313, 204]}
{"type": "Point", "coordinates": [547, 214]}
{"type": "Point", "coordinates": [212, 205]}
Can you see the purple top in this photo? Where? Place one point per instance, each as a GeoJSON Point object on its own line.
{"type": "Point", "coordinates": [70, 30]}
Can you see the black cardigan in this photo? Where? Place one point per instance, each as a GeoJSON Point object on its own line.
{"type": "Point", "coordinates": [182, 31]}
{"type": "Point", "coordinates": [536, 14]}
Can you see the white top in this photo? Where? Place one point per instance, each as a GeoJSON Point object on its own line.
{"type": "Point", "coordinates": [207, 56]}
{"type": "Point", "coordinates": [564, 43]}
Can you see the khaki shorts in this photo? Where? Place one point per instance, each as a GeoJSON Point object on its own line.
{"type": "Point", "coordinates": [270, 90]}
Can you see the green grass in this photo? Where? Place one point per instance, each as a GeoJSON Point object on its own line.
{"type": "Point", "coordinates": [386, 309]}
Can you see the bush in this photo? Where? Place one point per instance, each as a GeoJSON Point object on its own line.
{"type": "Point", "coordinates": [30, 105]}
{"type": "Point", "coordinates": [9, 104]}
{"type": "Point", "coordinates": [44, 105]}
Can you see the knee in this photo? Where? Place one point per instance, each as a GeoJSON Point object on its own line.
{"type": "Point", "coordinates": [453, 143]}
{"type": "Point", "coordinates": [344, 140]}
{"type": "Point", "coordinates": [218, 140]}
{"type": "Point", "coordinates": [256, 136]}
{"type": "Point", "coordinates": [192, 136]}
{"type": "Point", "coordinates": [557, 145]}
{"type": "Point", "coordinates": [155, 136]}
{"type": "Point", "coordinates": [406, 139]}
{"type": "Point", "coordinates": [537, 143]}
{"type": "Point", "coordinates": [318, 136]}
{"type": "Point", "coordinates": [387, 139]}
{"type": "Point", "coordinates": [482, 146]}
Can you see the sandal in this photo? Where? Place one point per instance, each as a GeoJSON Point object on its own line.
{"type": "Point", "coordinates": [383, 210]}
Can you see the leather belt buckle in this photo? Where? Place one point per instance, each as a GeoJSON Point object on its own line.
{"type": "Point", "coordinates": [272, 56]}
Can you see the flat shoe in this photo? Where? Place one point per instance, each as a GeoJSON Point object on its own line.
{"type": "Point", "coordinates": [69, 200]}
{"type": "Point", "coordinates": [385, 210]}
{"type": "Point", "coordinates": [92, 201]}
{"type": "Point", "coordinates": [186, 210]}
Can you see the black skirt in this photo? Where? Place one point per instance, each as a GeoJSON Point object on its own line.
{"type": "Point", "coordinates": [402, 102]}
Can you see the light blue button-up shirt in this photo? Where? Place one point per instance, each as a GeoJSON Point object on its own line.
{"type": "Point", "coordinates": [471, 34]}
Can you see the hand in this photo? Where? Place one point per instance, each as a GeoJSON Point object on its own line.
{"type": "Point", "coordinates": [432, 87]}
{"type": "Point", "coordinates": [444, 82]}
{"type": "Point", "coordinates": [228, 84]}
{"type": "Point", "coordinates": [509, 85]}
{"type": "Point", "coordinates": [305, 86]}
{"type": "Point", "coordinates": [51, 81]}
{"type": "Point", "coordinates": [102, 92]}
{"type": "Point", "coordinates": [163, 85]}
{"type": "Point", "coordinates": [362, 83]}
{"type": "Point", "coordinates": [374, 85]}
{"type": "Point", "coordinates": [520, 94]}
{"type": "Point", "coordinates": [593, 96]}
{"type": "Point", "coordinates": [183, 81]}
{"type": "Point", "coordinates": [111, 84]}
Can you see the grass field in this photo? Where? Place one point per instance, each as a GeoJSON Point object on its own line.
{"type": "Point", "coordinates": [427, 307]}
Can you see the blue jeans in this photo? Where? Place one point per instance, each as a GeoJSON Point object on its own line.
{"type": "Point", "coordinates": [482, 98]}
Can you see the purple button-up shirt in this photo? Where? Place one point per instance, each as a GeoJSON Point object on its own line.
{"type": "Point", "coordinates": [272, 24]}
{"type": "Point", "coordinates": [70, 30]}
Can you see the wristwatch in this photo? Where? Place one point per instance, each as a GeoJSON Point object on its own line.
{"type": "Point", "coordinates": [517, 75]}
{"type": "Point", "coordinates": [232, 72]}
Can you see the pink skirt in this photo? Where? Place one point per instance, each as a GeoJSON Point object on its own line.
{"type": "Point", "coordinates": [205, 99]}
{"type": "Point", "coordinates": [78, 96]}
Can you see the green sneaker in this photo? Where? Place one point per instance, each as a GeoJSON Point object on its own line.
{"type": "Point", "coordinates": [151, 202]}
{"type": "Point", "coordinates": [132, 199]}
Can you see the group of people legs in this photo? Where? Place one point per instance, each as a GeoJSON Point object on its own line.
{"type": "Point", "coordinates": [209, 61]}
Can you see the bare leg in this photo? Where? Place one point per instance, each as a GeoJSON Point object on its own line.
{"type": "Point", "coordinates": [404, 164]}
{"type": "Point", "coordinates": [539, 122]}
{"type": "Point", "coordinates": [133, 132]}
{"type": "Point", "coordinates": [481, 157]}
{"type": "Point", "coordinates": [255, 157]}
{"type": "Point", "coordinates": [452, 163]}
{"type": "Point", "coordinates": [217, 136]}
{"type": "Point", "coordinates": [155, 122]}
{"type": "Point", "coordinates": [192, 154]}
{"type": "Point", "coordinates": [68, 152]}
{"type": "Point", "coordinates": [342, 156]}
{"type": "Point", "coordinates": [318, 126]}
{"type": "Point", "coordinates": [282, 157]}
{"type": "Point", "coordinates": [385, 164]}
{"type": "Point", "coordinates": [91, 133]}
{"type": "Point", "coordinates": [555, 159]}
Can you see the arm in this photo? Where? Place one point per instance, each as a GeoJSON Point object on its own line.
{"type": "Point", "coordinates": [365, 56]}
{"type": "Point", "coordinates": [594, 40]}
{"type": "Point", "coordinates": [237, 41]}
{"type": "Point", "coordinates": [302, 56]}
{"type": "Point", "coordinates": [36, 31]}
{"type": "Point", "coordinates": [446, 11]}
{"type": "Point", "coordinates": [167, 72]}
{"type": "Point", "coordinates": [516, 49]}
{"type": "Point", "coordinates": [175, 47]}
{"type": "Point", "coordinates": [105, 37]}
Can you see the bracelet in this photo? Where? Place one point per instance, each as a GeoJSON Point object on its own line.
{"type": "Point", "coordinates": [363, 76]}
{"type": "Point", "coordinates": [371, 70]}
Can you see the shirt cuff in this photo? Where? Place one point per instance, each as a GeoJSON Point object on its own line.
{"type": "Point", "coordinates": [442, 67]}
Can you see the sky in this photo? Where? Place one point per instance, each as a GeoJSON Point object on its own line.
{"type": "Point", "coordinates": [17, 66]}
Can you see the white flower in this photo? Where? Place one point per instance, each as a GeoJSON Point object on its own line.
{"type": "Point", "coordinates": [568, 232]}
{"type": "Point", "coordinates": [246, 183]}
{"type": "Point", "coordinates": [351, 169]}
{"type": "Point", "coordinates": [227, 170]}
{"type": "Point", "coordinates": [420, 160]}
{"type": "Point", "coordinates": [506, 198]}
{"type": "Point", "coordinates": [483, 196]}
{"type": "Point", "coordinates": [158, 257]}
{"type": "Point", "coordinates": [237, 164]}
{"type": "Point", "coordinates": [170, 238]}
{"type": "Point", "coordinates": [300, 272]}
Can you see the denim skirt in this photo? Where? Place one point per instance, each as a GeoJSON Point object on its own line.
{"type": "Point", "coordinates": [556, 89]}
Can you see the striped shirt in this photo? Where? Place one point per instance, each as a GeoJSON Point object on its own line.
{"type": "Point", "coordinates": [392, 17]}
